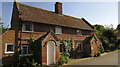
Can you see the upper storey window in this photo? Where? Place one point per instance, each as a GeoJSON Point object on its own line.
{"type": "Point", "coordinates": [58, 30]}
{"type": "Point", "coordinates": [79, 33]}
{"type": "Point", "coordinates": [27, 27]}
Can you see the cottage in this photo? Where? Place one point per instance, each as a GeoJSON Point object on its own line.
{"type": "Point", "coordinates": [50, 28]}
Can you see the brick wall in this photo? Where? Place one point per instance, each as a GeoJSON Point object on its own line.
{"type": "Point", "coordinates": [95, 45]}
{"type": "Point", "coordinates": [7, 37]}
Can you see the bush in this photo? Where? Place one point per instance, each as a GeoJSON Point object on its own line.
{"type": "Point", "coordinates": [101, 49]}
{"type": "Point", "coordinates": [7, 65]}
{"type": "Point", "coordinates": [23, 61]}
{"type": "Point", "coordinates": [63, 59]}
{"type": "Point", "coordinates": [98, 54]}
{"type": "Point", "coordinates": [26, 61]}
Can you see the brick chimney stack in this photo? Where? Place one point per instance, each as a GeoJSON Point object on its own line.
{"type": "Point", "coordinates": [58, 8]}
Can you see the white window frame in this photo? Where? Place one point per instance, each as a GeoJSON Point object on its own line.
{"type": "Point", "coordinates": [79, 47]}
{"type": "Point", "coordinates": [27, 51]}
{"type": "Point", "coordinates": [23, 25]}
{"type": "Point", "coordinates": [58, 30]}
{"type": "Point", "coordinates": [80, 32]}
{"type": "Point", "coordinates": [6, 52]}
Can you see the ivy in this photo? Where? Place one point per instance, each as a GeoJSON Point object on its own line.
{"type": "Point", "coordinates": [35, 47]}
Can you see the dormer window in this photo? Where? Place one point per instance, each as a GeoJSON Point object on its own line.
{"type": "Point", "coordinates": [27, 27]}
{"type": "Point", "coordinates": [58, 30]}
{"type": "Point", "coordinates": [79, 33]}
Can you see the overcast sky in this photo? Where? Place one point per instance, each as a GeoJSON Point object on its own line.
{"type": "Point", "coordinates": [104, 13]}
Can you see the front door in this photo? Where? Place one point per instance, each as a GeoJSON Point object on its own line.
{"type": "Point", "coordinates": [50, 52]}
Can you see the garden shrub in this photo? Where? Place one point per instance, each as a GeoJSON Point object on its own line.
{"type": "Point", "coordinates": [23, 61]}
{"type": "Point", "coordinates": [63, 59]}
{"type": "Point", "coordinates": [26, 61]}
{"type": "Point", "coordinates": [97, 54]}
{"type": "Point", "coordinates": [68, 51]}
{"type": "Point", "coordinates": [101, 49]}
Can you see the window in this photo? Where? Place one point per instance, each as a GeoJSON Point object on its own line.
{"type": "Point", "coordinates": [9, 48]}
{"type": "Point", "coordinates": [80, 47]}
{"type": "Point", "coordinates": [79, 33]}
{"type": "Point", "coordinates": [27, 27]}
{"type": "Point", "coordinates": [26, 50]}
{"type": "Point", "coordinates": [58, 30]}
{"type": "Point", "coordinates": [61, 48]}
{"type": "Point", "coordinates": [95, 40]}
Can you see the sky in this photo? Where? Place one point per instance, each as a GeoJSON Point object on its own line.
{"type": "Point", "coordinates": [104, 13]}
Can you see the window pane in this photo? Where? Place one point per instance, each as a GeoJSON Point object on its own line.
{"type": "Point", "coordinates": [24, 50]}
{"type": "Point", "coordinates": [58, 30]}
{"type": "Point", "coordinates": [29, 51]}
{"type": "Point", "coordinates": [79, 32]}
{"type": "Point", "coordinates": [27, 27]}
{"type": "Point", "coordinates": [9, 48]}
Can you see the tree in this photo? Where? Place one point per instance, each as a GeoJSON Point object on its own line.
{"type": "Point", "coordinates": [107, 36]}
{"type": "Point", "coordinates": [2, 28]}
{"type": "Point", "coordinates": [99, 29]}
{"type": "Point", "coordinates": [109, 39]}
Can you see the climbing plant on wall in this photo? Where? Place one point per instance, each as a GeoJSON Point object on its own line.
{"type": "Point", "coordinates": [68, 46]}
{"type": "Point", "coordinates": [68, 50]}
{"type": "Point", "coordinates": [35, 47]}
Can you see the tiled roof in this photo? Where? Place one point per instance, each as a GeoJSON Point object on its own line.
{"type": "Point", "coordinates": [33, 14]}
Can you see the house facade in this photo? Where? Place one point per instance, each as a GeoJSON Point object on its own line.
{"type": "Point", "coordinates": [50, 28]}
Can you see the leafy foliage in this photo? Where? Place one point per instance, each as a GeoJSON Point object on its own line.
{"type": "Point", "coordinates": [3, 29]}
{"type": "Point", "coordinates": [23, 61]}
{"type": "Point", "coordinates": [101, 49]}
{"type": "Point", "coordinates": [35, 47]}
{"type": "Point", "coordinates": [63, 59]}
{"type": "Point", "coordinates": [97, 54]}
{"type": "Point", "coordinates": [68, 46]}
{"type": "Point", "coordinates": [68, 51]}
{"type": "Point", "coordinates": [107, 37]}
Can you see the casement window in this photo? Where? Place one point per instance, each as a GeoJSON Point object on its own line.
{"type": "Point", "coordinates": [9, 48]}
{"type": "Point", "coordinates": [58, 30]}
{"type": "Point", "coordinates": [80, 47]}
{"type": "Point", "coordinates": [79, 33]}
{"type": "Point", "coordinates": [27, 27]}
{"type": "Point", "coordinates": [26, 50]}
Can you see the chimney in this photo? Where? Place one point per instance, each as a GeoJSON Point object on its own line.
{"type": "Point", "coordinates": [58, 8]}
